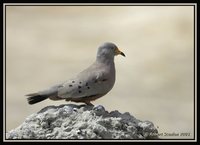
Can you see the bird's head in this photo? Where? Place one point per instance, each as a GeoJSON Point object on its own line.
{"type": "Point", "coordinates": [107, 51]}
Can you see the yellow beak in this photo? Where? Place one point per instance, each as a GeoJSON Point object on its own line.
{"type": "Point", "coordinates": [117, 52]}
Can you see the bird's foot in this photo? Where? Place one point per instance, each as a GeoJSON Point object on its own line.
{"type": "Point", "coordinates": [89, 104]}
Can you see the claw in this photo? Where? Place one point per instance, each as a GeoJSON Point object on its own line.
{"type": "Point", "coordinates": [88, 103]}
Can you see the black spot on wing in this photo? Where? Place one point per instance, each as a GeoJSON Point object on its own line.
{"type": "Point", "coordinates": [104, 80]}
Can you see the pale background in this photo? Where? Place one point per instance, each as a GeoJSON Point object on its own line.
{"type": "Point", "coordinates": [46, 45]}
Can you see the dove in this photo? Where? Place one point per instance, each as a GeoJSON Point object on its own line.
{"type": "Point", "coordinates": [90, 84]}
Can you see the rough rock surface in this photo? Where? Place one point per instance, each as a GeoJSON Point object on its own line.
{"type": "Point", "coordinates": [82, 122]}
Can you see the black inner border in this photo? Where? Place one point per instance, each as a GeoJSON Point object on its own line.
{"type": "Point", "coordinates": [185, 4]}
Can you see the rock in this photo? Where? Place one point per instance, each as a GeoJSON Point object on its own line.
{"type": "Point", "coordinates": [82, 122]}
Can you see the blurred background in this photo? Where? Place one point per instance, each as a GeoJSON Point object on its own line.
{"type": "Point", "coordinates": [46, 45]}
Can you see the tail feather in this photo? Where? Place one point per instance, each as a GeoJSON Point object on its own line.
{"type": "Point", "coordinates": [35, 98]}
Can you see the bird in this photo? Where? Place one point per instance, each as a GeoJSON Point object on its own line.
{"type": "Point", "coordinates": [88, 85]}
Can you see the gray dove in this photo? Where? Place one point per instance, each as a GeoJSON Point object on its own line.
{"type": "Point", "coordinates": [90, 84]}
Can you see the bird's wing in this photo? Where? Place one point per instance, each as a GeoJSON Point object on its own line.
{"type": "Point", "coordinates": [85, 84]}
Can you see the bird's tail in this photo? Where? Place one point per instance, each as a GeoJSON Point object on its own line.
{"type": "Point", "coordinates": [35, 98]}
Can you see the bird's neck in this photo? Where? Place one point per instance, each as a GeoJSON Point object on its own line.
{"type": "Point", "coordinates": [105, 60]}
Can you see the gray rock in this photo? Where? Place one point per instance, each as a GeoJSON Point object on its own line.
{"type": "Point", "coordinates": [82, 122]}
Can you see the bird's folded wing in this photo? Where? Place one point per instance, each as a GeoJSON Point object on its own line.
{"type": "Point", "coordinates": [83, 86]}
